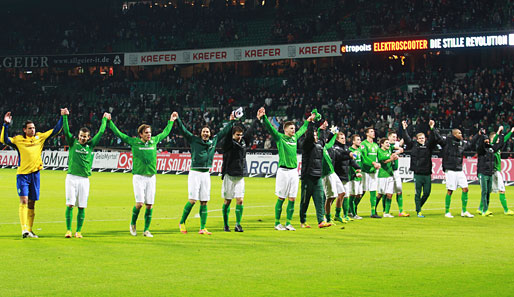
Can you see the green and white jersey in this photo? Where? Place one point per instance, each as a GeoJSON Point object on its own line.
{"type": "Point", "coordinates": [327, 168]}
{"type": "Point", "coordinates": [386, 169]}
{"type": "Point", "coordinates": [497, 155]}
{"type": "Point", "coordinates": [80, 157]}
{"type": "Point", "coordinates": [358, 160]}
{"type": "Point", "coordinates": [144, 154]}
{"type": "Point", "coordinates": [286, 145]}
{"type": "Point", "coordinates": [395, 162]}
{"type": "Point", "coordinates": [369, 155]}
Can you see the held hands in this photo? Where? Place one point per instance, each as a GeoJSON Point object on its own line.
{"type": "Point", "coordinates": [232, 116]}
{"type": "Point", "coordinates": [333, 129]}
{"type": "Point", "coordinates": [174, 116]}
{"type": "Point", "coordinates": [8, 118]}
{"type": "Point", "coordinates": [404, 125]}
{"type": "Point", "coordinates": [352, 155]}
{"type": "Point", "coordinates": [376, 165]}
{"type": "Point", "coordinates": [394, 157]}
{"type": "Point", "coordinates": [65, 111]}
{"type": "Point", "coordinates": [107, 116]}
{"type": "Point", "coordinates": [311, 117]}
{"type": "Point", "coordinates": [512, 130]}
{"type": "Point", "coordinates": [431, 124]}
{"type": "Point", "coordinates": [260, 113]}
{"type": "Point", "coordinates": [500, 129]}
{"type": "Point", "coordinates": [358, 173]}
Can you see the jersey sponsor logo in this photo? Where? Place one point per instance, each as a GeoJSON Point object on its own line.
{"type": "Point", "coordinates": [82, 151]}
{"type": "Point", "coordinates": [148, 148]}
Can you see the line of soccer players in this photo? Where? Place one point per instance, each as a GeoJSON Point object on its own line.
{"type": "Point", "coordinates": [331, 171]}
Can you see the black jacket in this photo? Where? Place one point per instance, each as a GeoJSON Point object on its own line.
{"type": "Point", "coordinates": [486, 155]}
{"type": "Point", "coordinates": [420, 155]}
{"type": "Point", "coordinates": [342, 161]}
{"type": "Point", "coordinates": [234, 153]}
{"type": "Point", "coordinates": [453, 150]}
{"type": "Point", "coordinates": [312, 154]}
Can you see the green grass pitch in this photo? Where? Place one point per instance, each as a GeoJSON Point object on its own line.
{"type": "Point", "coordinates": [434, 256]}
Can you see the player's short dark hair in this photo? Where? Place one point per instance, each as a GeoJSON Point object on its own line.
{"type": "Point", "coordinates": [27, 122]}
{"type": "Point", "coordinates": [288, 123]}
{"type": "Point", "coordinates": [355, 136]}
{"type": "Point", "coordinates": [341, 133]}
{"type": "Point", "coordinates": [85, 130]}
{"type": "Point", "coordinates": [236, 129]}
{"type": "Point", "coordinates": [205, 126]}
{"type": "Point", "coordinates": [142, 128]}
{"type": "Point", "coordinates": [382, 140]}
{"type": "Point", "coordinates": [366, 130]}
{"type": "Point", "coordinates": [391, 131]}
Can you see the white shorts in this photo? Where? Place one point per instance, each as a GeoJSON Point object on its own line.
{"type": "Point", "coordinates": [385, 185]}
{"type": "Point", "coordinates": [144, 188]}
{"type": "Point", "coordinates": [77, 188]}
{"type": "Point", "coordinates": [333, 186]}
{"type": "Point", "coordinates": [355, 187]}
{"type": "Point", "coordinates": [232, 187]}
{"type": "Point", "coordinates": [286, 184]}
{"type": "Point", "coordinates": [370, 181]}
{"type": "Point", "coordinates": [397, 182]}
{"type": "Point", "coordinates": [199, 185]}
{"type": "Point", "coordinates": [498, 183]}
{"type": "Point", "coordinates": [455, 179]}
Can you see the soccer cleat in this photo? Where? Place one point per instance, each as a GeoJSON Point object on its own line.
{"type": "Point", "coordinates": [238, 228]}
{"type": "Point", "coordinates": [348, 219]}
{"type": "Point", "coordinates": [78, 235]}
{"type": "Point", "coordinates": [32, 235]}
{"type": "Point", "coordinates": [290, 227]}
{"type": "Point", "coordinates": [25, 234]}
{"type": "Point", "coordinates": [182, 228]}
{"type": "Point", "coordinates": [324, 224]}
{"type": "Point", "coordinates": [357, 217]}
{"type": "Point", "coordinates": [204, 231]}
{"type": "Point", "coordinates": [485, 214]}
{"type": "Point", "coordinates": [340, 219]}
{"type": "Point", "coordinates": [479, 211]}
{"type": "Point", "coordinates": [388, 215]}
{"type": "Point", "coordinates": [403, 214]}
{"type": "Point", "coordinates": [147, 234]}
{"type": "Point", "coordinates": [280, 227]}
{"type": "Point", "coordinates": [332, 222]}
{"type": "Point", "coordinates": [420, 215]}
{"type": "Point", "coordinates": [226, 228]}
{"type": "Point", "coordinates": [466, 214]}
{"type": "Point", "coordinates": [133, 231]}
{"type": "Point", "coordinates": [375, 216]}
{"type": "Point", "coordinates": [488, 213]}
{"type": "Point", "coordinates": [68, 234]}
{"type": "Point", "coordinates": [305, 225]}
{"type": "Point", "coordinates": [509, 212]}
{"type": "Point", "coordinates": [448, 215]}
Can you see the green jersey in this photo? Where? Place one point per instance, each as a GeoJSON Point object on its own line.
{"type": "Point", "coordinates": [327, 167]}
{"type": "Point", "coordinates": [497, 155]}
{"type": "Point", "coordinates": [395, 162]}
{"type": "Point", "coordinates": [80, 157]}
{"type": "Point", "coordinates": [144, 154]}
{"type": "Point", "coordinates": [202, 151]}
{"type": "Point", "coordinates": [358, 159]}
{"type": "Point", "coordinates": [369, 155]}
{"type": "Point", "coordinates": [286, 145]}
{"type": "Point", "coordinates": [386, 169]}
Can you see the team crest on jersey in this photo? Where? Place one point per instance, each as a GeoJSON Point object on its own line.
{"type": "Point", "coordinates": [37, 137]}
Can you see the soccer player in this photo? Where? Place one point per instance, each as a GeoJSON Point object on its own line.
{"type": "Point", "coordinates": [453, 153]}
{"type": "Point", "coordinates": [80, 161]}
{"type": "Point", "coordinates": [355, 178]}
{"type": "Point", "coordinates": [385, 174]}
{"type": "Point", "coordinates": [144, 168]}
{"type": "Point", "coordinates": [199, 178]}
{"type": "Point", "coordinates": [421, 164]}
{"type": "Point", "coordinates": [396, 146]}
{"type": "Point", "coordinates": [486, 150]}
{"type": "Point", "coordinates": [343, 160]}
{"type": "Point", "coordinates": [498, 184]}
{"type": "Point", "coordinates": [312, 160]}
{"type": "Point", "coordinates": [233, 169]}
{"type": "Point", "coordinates": [286, 183]}
{"type": "Point", "coordinates": [29, 147]}
{"type": "Point", "coordinates": [370, 167]}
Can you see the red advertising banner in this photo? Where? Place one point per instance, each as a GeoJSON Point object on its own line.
{"type": "Point", "coordinates": [170, 162]}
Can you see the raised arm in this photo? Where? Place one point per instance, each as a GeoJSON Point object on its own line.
{"type": "Point", "coordinates": [96, 139]}
{"type": "Point", "coordinates": [56, 129]}
{"type": "Point", "coordinates": [274, 133]}
{"type": "Point", "coordinates": [166, 130]}
{"type": "Point", "coordinates": [499, 145]}
{"type": "Point", "coordinates": [182, 130]}
{"type": "Point", "coordinates": [406, 137]}
{"type": "Point", "coordinates": [66, 128]}
{"type": "Point", "coordinates": [226, 130]}
{"type": "Point", "coordinates": [124, 137]}
{"type": "Point", "coordinates": [4, 138]}
{"type": "Point", "coordinates": [248, 135]}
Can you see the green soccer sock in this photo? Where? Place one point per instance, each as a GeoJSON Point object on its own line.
{"type": "Point", "coordinates": [69, 214]}
{"type": "Point", "coordinates": [346, 206]}
{"type": "Point", "coordinates": [373, 201]}
{"type": "Point", "coordinates": [81, 215]}
{"type": "Point", "coordinates": [464, 199]}
{"type": "Point", "coordinates": [356, 204]}
{"type": "Point", "coordinates": [185, 213]}
{"type": "Point", "coordinates": [203, 216]}
{"type": "Point", "coordinates": [278, 211]}
{"type": "Point", "coordinates": [135, 214]}
{"type": "Point", "coordinates": [448, 200]}
{"type": "Point", "coordinates": [383, 203]}
{"type": "Point", "coordinates": [399, 199]}
{"type": "Point", "coordinates": [328, 217]}
{"type": "Point", "coordinates": [239, 214]}
{"type": "Point", "coordinates": [387, 204]}
{"type": "Point", "coordinates": [290, 211]}
{"type": "Point", "coordinates": [352, 205]}
{"type": "Point", "coordinates": [338, 212]}
{"type": "Point", "coordinates": [225, 209]}
{"type": "Point", "coordinates": [503, 201]}
{"type": "Point", "coordinates": [148, 218]}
